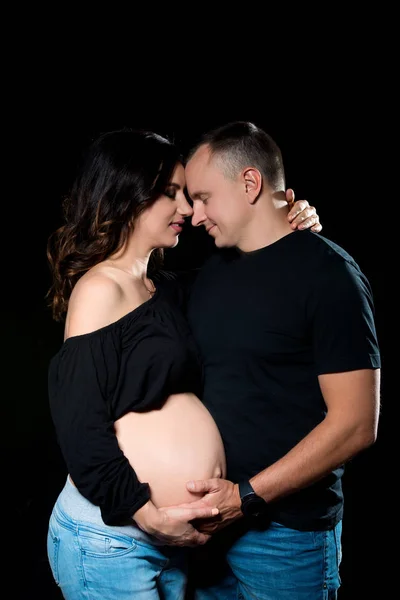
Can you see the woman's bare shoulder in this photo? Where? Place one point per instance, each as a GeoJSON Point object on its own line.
{"type": "Point", "coordinates": [94, 303]}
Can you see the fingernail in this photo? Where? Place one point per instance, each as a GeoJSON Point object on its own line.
{"type": "Point", "coordinates": [190, 485]}
{"type": "Point", "coordinates": [214, 511]}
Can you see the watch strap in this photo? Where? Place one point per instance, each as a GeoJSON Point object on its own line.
{"type": "Point", "coordinates": [245, 489]}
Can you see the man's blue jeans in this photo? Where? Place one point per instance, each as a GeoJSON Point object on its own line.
{"type": "Point", "coordinates": [276, 564]}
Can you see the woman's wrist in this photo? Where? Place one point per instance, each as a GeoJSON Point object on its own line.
{"type": "Point", "coordinates": [147, 517]}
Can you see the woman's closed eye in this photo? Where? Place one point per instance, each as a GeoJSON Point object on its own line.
{"type": "Point", "coordinates": [171, 193]}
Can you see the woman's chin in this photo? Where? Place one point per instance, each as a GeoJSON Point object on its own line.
{"type": "Point", "coordinates": [175, 242]}
{"type": "Point", "coordinates": [171, 243]}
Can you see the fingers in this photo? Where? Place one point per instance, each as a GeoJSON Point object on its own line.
{"type": "Point", "coordinates": [304, 222]}
{"type": "Point", "coordinates": [198, 539]}
{"type": "Point", "coordinates": [188, 514]}
{"type": "Point", "coordinates": [309, 222]}
{"type": "Point", "coordinates": [207, 528]}
{"type": "Point", "coordinates": [302, 215]}
{"type": "Point", "coordinates": [303, 219]}
{"type": "Point", "coordinates": [316, 228]}
{"type": "Point", "coordinates": [298, 207]}
{"type": "Point", "coordinates": [290, 196]}
{"type": "Point", "coordinates": [194, 504]}
{"type": "Point", "coordinates": [200, 485]}
{"type": "Point", "coordinates": [191, 538]}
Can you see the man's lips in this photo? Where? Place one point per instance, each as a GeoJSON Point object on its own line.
{"type": "Point", "coordinates": [209, 228]}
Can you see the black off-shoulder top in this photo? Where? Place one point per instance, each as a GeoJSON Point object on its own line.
{"type": "Point", "coordinates": [133, 364]}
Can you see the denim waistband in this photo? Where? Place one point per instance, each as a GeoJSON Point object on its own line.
{"type": "Point", "coordinates": [78, 508]}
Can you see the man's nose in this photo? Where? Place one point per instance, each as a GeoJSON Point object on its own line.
{"type": "Point", "coordinates": [198, 216]}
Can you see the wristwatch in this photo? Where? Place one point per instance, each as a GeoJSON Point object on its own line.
{"type": "Point", "coordinates": [253, 507]}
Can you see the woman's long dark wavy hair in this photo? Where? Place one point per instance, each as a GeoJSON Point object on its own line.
{"type": "Point", "coordinates": [123, 173]}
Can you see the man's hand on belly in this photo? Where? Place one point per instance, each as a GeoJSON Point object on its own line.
{"type": "Point", "coordinates": [216, 493]}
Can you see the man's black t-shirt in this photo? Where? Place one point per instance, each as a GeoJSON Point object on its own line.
{"type": "Point", "coordinates": [267, 324]}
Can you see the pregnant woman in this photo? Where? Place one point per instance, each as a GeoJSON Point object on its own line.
{"type": "Point", "coordinates": [124, 387]}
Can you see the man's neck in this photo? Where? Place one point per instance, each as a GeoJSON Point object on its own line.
{"type": "Point", "coordinates": [264, 230]}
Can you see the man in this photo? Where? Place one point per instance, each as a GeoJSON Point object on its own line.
{"type": "Point", "coordinates": [285, 324]}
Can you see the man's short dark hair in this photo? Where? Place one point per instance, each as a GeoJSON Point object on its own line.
{"type": "Point", "coordinates": [241, 144]}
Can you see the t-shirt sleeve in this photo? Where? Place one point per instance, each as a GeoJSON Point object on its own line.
{"type": "Point", "coordinates": [343, 320]}
{"type": "Point", "coordinates": [81, 381]}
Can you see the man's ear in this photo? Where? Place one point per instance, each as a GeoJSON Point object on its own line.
{"type": "Point", "coordinates": [252, 179]}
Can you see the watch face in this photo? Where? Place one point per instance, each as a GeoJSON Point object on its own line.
{"type": "Point", "coordinates": [254, 506]}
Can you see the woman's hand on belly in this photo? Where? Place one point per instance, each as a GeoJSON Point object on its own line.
{"type": "Point", "coordinates": [171, 525]}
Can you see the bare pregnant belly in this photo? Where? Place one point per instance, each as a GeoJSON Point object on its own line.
{"type": "Point", "coordinates": [171, 446]}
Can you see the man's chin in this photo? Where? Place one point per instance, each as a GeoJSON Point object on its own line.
{"type": "Point", "coordinates": [219, 240]}
{"type": "Point", "coordinates": [221, 243]}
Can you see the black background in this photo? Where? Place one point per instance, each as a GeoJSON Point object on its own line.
{"type": "Point", "coordinates": [335, 128]}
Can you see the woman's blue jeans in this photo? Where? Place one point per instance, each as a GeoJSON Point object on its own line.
{"type": "Point", "coordinates": [92, 561]}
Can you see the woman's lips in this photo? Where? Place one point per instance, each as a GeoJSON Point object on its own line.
{"type": "Point", "coordinates": [176, 227]}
